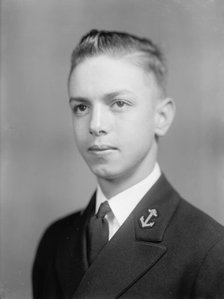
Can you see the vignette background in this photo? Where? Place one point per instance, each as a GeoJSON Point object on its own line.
{"type": "Point", "coordinates": [42, 175]}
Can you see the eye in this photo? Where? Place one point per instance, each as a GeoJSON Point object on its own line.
{"type": "Point", "coordinates": [80, 109]}
{"type": "Point", "coordinates": [119, 105]}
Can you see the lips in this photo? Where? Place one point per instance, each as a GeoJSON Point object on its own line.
{"type": "Point", "coordinates": [101, 148]}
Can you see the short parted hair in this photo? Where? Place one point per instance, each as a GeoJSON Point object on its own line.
{"type": "Point", "coordinates": [119, 44]}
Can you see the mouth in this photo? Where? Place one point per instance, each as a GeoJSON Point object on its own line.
{"type": "Point", "coordinates": [101, 148]}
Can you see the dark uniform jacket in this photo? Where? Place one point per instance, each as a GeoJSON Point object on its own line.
{"type": "Point", "coordinates": [177, 254]}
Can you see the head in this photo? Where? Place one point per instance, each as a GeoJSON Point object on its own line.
{"type": "Point", "coordinates": [117, 94]}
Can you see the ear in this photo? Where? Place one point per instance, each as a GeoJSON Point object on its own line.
{"type": "Point", "coordinates": [165, 112]}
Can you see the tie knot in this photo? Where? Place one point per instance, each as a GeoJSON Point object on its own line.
{"type": "Point", "coordinates": [104, 209]}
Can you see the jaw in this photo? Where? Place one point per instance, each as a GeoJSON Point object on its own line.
{"type": "Point", "coordinates": [113, 181]}
{"type": "Point", "coordinates": [119, 170]}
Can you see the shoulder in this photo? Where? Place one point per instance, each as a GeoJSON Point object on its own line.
{"type": "Point", "coordinates": [53, 236]}
{"type": "Point", "coordinates": [197, 240]}
{"type": "Point", "coordinates": [66, 221]}
{"type": "Point", "coordinates": [188, 221]}
{"type": "Point", "coordinates": [201, 223]}
{"type": "Point", "coordinates": [191, 228]}
{"type": "Point", "coordinates": [196, 233]}
{"type": "Point", "coordinates": [204, 237]}
{"type": "Point", "coordinates": [62, 226]}
{"type": "Point", "coordinates": [57, 234]}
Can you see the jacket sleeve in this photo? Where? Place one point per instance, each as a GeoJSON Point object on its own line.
{"type": "Point", "coordinates": [210, 279]}
{"type": "Point", "coordinates": [44, 281]}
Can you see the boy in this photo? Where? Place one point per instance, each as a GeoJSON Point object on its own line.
{"type": "Point", "coordinates": [137, 238]}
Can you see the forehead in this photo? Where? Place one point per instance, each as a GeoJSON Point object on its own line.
{"type": "Point", "coordinates": [104, 73]}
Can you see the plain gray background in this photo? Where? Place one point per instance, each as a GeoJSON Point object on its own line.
{"type": "Point", "coordinates": [42, 175]}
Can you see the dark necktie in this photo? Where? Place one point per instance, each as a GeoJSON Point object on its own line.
{"type": "Point", "coordinates": [98, 231]}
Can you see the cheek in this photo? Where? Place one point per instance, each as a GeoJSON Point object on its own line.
{"type": "Point", "coordinates": [80, 132]}
{"type": "Point", "coordinates": [140, 125]}
{"type": "Point", "coordinates": [139, 140]}
{"type": "Point", "coordinates": [139, 133]}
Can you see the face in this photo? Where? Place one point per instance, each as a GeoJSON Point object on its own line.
{"type": "Point", "coordinates": [114, 105]}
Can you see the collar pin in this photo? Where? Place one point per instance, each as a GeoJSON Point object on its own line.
{"type": "Point", "coordinates": [146, 222]}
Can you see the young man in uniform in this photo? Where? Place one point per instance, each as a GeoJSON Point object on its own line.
{"type": "Point", "coordinates": [137, 238]}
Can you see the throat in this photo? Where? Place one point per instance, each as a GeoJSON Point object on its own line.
{"type": "Point", "coordinates": [113, 186]}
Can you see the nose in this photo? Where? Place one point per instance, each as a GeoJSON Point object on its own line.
{"type": "Point", "coordinates": [99, 122]}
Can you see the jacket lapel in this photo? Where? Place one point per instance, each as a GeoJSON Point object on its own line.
{"type": "Point", "coordinates": [71, 258]}
{"type": "Point", "coordinates": [134, 249]}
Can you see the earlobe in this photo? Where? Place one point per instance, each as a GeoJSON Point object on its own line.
{"type": "Point", "coordinates": [165, 112]}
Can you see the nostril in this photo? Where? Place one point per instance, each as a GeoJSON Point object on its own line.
{"type": "Point", "coordinates": [97, 132]}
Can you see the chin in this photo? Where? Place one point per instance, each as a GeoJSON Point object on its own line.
{"type": "Point", "coordinates": [105, 173]}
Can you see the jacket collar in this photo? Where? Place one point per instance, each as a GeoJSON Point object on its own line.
{"type": "Point", "coordinates": [134, 249]}
{"type": "Point", "coordinates": [161, 202]}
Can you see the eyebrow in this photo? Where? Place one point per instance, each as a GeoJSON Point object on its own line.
{"type": "Point", "coordinates": [117, 93]}
{"type": "Point", "coordinates": [105, 97]}
{"type": "Point", "coordinates": [78, 99]}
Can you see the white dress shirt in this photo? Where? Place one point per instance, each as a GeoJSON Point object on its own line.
{"type": "Point", "coordinates": [124, 202]}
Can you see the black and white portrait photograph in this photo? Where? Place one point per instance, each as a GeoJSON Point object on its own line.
{"type": "Point", "coordinates": [112, 149]}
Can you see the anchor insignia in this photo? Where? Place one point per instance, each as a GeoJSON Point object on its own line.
{"type": "Point", "coordinates": [145, 222]}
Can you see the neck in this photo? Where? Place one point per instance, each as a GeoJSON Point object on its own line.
{"type": "Point", "coordinates": [114, 186]}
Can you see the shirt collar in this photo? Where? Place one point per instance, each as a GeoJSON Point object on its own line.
{"type": "Point", "coordinates": [124, 202]}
